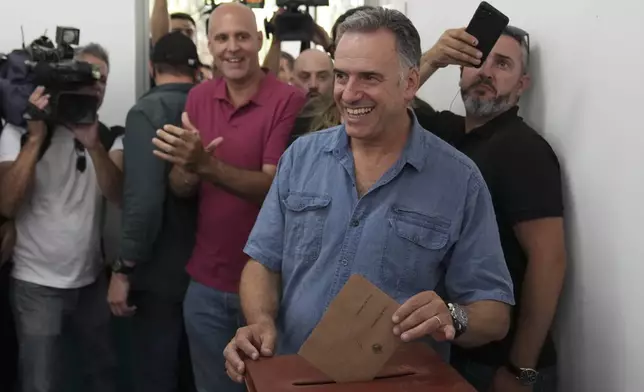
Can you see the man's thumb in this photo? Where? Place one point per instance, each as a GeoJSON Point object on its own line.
{"type": "Point", "coordinates": [186, 122]}
{"type": "Point", "coordinates": [268, 343]}
{"type": "Point", "coordinates": [214, 144]}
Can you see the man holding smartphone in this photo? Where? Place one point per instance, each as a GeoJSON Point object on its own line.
{"type": "Point", "coordinates": [523, 175]}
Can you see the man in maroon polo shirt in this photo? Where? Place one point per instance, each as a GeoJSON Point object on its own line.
{"type": "Point", "coordinates": [235, 130]}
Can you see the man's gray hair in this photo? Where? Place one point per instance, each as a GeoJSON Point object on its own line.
{"type": "Point", "coordinates": [522, 37]}
{"type": "Point", "coordinates": [376, 18]}
{"type": "Point", "coordinates": [94, 50]}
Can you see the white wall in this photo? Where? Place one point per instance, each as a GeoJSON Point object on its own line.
{"type": "Point", "coordinates": [111, 23]}
{"type": "Point", "coordinates": [587, 102]}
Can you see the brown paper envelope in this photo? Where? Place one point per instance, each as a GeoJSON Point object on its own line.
{"type": "Point", "coordinates": [355, 337]}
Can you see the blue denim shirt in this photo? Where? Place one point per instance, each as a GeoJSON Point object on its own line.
{"type": "Point", "coordinates": [427, 223]}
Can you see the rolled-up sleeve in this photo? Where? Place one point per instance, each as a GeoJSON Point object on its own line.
{"type": "Point", "coordinates": [477, 270]}
{"type": "Point", "coordinates": [266, 241]}
{"type": "Point", "coordinates": [144, 189]}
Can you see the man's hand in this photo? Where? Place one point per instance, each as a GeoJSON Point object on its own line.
{"type": "Point", "coordinates": [37, 128]}
{"type": "Point", "coordinates": [117, 296]}
{"type": "Point", "coordinates": [454, 47]}
{"type": "Point", "coordinates": [86, 134]}
{"type": "Point", "coordinates": [321, 37]}
{"type": "Point", "coordinates": [504, 381]}
{"type": "Point", "coordinates": [252, 341]}
{"type": "Point", "coordinates": [183, 146]}
{"type": "Point", "coordinates": [421, 315]}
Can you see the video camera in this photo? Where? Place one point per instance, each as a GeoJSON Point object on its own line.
{"type": "Point", "coordinates": [44, 63]}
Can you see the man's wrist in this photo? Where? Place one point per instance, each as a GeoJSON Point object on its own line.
{"type": "Point", "coordinates": [208, 167]}
{"type": "Point", "coordinates": [522, 361]}
{"type": "Point", "coordinates": [264, 319]}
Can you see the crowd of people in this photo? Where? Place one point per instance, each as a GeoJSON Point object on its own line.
{"type": "Point", "coordinates": [251, 192]}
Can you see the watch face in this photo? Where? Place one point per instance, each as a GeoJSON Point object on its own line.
{"type": "Point", "coordinates": [528, 376]}
{"type": "Point", "coordinates": [459, 315]}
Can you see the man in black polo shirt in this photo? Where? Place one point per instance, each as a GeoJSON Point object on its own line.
{"type": "Point", "coordinates": [523, 175]}
{"type": "Point", "coordinates": [158, 229]}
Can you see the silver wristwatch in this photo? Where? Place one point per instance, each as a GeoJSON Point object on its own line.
{"type": "Point", "coordinates": [459, 318]}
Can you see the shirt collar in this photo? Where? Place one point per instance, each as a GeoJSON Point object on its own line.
{"type": "Point", "coordinates": [170, 87]}
{"type": "Point", "coordinates": [414, 152]}
{"type": "Point", "coordinates": [261, 97]}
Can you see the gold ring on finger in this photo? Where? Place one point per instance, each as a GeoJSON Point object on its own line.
{"type": "Point", "coordinates": [440, 323]}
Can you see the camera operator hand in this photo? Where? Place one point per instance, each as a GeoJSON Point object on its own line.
{"type": "Point", "coordinates": [87, 135]}
{"type": "Point", "coordinates": [321, 37]}
{"type": "Point", "coordinates": [37, 129]}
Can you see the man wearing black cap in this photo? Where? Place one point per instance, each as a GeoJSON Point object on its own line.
{"type": "Point", "coordinates": [149, 279]}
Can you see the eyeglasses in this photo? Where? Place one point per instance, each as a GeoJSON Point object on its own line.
{"type": "Point", "coordinates": [81, 160]}
{"type": "Point", "coordinates": [521, 36]}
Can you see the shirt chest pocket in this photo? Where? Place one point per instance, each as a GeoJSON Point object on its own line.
{"type": "Point", "coordinates": [305, 217]}
{"type": "Point", "coordinates": [415, 246]}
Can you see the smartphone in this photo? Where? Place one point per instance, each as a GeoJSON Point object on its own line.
{"type": "Point", "coordinates": [486, 26]}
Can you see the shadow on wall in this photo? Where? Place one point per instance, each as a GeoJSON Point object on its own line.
{"type": "Point", "coordinates": [533, 103]}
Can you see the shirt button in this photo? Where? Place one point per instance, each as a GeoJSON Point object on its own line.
{"type": "Point", "coordinates": [355, 223]}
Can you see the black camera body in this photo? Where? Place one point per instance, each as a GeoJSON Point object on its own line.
{"type": "Point", "coordinates": [294, 24]}
{"type": "Point", "coordinates": [44, 63]}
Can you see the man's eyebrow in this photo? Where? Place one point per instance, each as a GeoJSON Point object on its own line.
{"type": "Point", "coordinates": [503, 57]}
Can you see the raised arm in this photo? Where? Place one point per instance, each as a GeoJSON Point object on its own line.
{"type": "Point", "coordinates": [18, 162]}
{"type": "Point", "coordinates": [159, 20]}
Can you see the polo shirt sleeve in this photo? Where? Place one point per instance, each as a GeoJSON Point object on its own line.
{"type": "Point", "coordinates": [529, 180]}
{"type": "Point", "coordinates": [266, 241]}
{"type": "Point", "coordinates": [477, 270]}
{"type": "Point", "coordinates": [280, 135]}
{"type": "Point", "coordinates": [10, 143]}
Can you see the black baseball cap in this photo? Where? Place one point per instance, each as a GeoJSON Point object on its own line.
{"type": "Point", "coordinates": [175, 49]}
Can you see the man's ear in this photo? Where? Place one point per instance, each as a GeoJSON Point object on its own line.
{"type": "Point", "coordinates": [524, 83]}
{"type": "Point", "coordinates": [150, 68]}
{"type": "Point", "coordinates": [412, 83]}
{"type": "Point", "coordinates": [260, 40]}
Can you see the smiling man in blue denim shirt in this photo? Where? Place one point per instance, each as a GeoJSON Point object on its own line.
{"type": "Point", "coordinates": [378, 196]}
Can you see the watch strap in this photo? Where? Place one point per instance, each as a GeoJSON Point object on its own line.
{"type": "Point", "coordinates": [119, 267]}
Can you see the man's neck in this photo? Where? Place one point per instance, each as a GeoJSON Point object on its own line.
{"type": "Point", "coordinates": [172, 79]}
{"type": "Point", "coordinates": [240, 92]}
{"type": "Point", "coordinates": [472, 122]}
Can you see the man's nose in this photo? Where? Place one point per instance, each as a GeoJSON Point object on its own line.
{"type": "Point", "coordinates": [485, 71]}
{"type": "Point", "coordinates": [232, 44]}
{"type": "Point", "coordinates": [351, 92]}
{"type": "Point", "coordinates": [314, 84]}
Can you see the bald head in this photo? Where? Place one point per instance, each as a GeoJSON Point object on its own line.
{"type": "Point", "coordinates": [237, 11]}
{"type": "Point", "coordinates": [313, 72]}
{"type": "Point", "coordinates": [234, 41]}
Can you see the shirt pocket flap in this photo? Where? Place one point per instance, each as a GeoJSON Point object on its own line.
{"type": "Point", "coordinates": [299, 202]}
{"type": "Point", "coordinates": [429, 238]}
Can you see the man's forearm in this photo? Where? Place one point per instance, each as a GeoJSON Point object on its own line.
{"type": "Point", "coordinates": [160, 20]}
{"type": "Point", "coordinates": [182, 183]}
{"type": "Point", "coordinates": [247, 184]}
{"type": "Point", "coordinates": [259, 293]}
{"type": "Point", "coordinates": [487, 321]}
{"type": "Point", "coordinates": [108, 175]}
{"type": "Point", "coordinates": [18, 178]}
{"type": "Point", "coordinates": [272, 59]}
{"type": "Point", "coordinates": [541, 288]}
{"type": "Point", "coordinates": [427, 68]}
